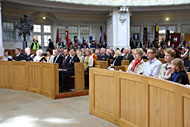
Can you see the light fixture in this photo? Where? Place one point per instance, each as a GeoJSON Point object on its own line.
{"type": "Point", "coordinates": [44, 18]}
{"type": "Point", "coordinates": [167, 19]}
{"type": "Point", "coordinates": [122, 11]}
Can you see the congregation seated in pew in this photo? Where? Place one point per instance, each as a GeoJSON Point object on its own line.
{"type": "Point", "coordinates": [68, 68]}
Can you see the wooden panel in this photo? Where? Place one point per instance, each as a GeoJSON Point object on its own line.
{"type": "Point", "coordinates": [5, 74]}
{"type": "Point", "coordinates": [161, 107]}
{"type": "Point", "coordinates": [133, 105]}
{"type": "Point", "coordinates": [34, 80]}
{"type": "Point", "coordinates": [48, 82]}
{"type": "Point", "coordinates": [19, 75]}
{"type": "Point", "coordinates": [125, 62]}
{"type": "Point", "coordinates": [104, 102]}
{"type": "Point", "coordinates": [101, 64]}
{"type": "Point", "coordinates": [186, 103]}
{"type": "Point", "coordinates": [79, 76]}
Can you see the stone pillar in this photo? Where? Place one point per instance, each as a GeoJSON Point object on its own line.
{"type": "Point", "coordinates": [1, 37]}
{"type": "Point", "coordinates": [118, 29]}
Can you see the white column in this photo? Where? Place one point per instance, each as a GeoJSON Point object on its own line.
{"type": "Point", "coordinates": [1, 37]}
{"type": "Point", "coordinates": [120, 33]}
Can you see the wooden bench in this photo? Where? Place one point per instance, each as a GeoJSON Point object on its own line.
{"type": "Point", "coordinates": [101, 64]}
{"type": "Point", "coordinates": [125, 62]}
{"type": "Point", "coordinates": [79, 76]}
{"type": "Point", "coordinates": [138, 101]}
{"type": "Point", "coordinates": [123, 68]}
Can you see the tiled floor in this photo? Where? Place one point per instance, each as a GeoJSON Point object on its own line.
{"type": "Point", "coordinates": [26, 109]}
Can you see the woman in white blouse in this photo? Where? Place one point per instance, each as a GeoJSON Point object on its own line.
{"type": "Point", "coordinates": [50, 56]}
{"type": "Point", "coordinates": [7, 56]}
{"type": "Point", "coordinates": [38, 56]}
{"type": "Point", "coordinates": [88, 60]}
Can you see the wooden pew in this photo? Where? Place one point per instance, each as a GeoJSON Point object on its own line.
{"type": "Point", "coordinates": [79, 76]}
{"type": "Point", "coordinates": [125, 62]}
{"type": "Point", "coordinates": [79, 83]}
{"type": "Point", "coordinates": [145, 60]}
{"type": "Point", "coordinates": [188, 74]}
{"type": "Point", "coordinates": [162, 60]}
{"type": "Point", "coordinates": [101, 64]}
{"type": "Point", "coordinates": [138, 101]}
{"type": "Point", "coordinates": [41, 78]}
{"type": "Point", "coordinates": [1, 57]}
{"type": "Point", "coordinates": [122, 68]}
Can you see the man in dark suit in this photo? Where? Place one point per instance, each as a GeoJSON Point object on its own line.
{"type": "Point", "coordinates": [68, 68]}
{"type": "Point", "coordinates": [28, 56]}
{"type": "Point", "coordinates": [127, 55]}
{"type": "Point", "coordinates": [58, 58]}
{"type": "Point", "coordinates": [18, 55]}
{"type": "Point", "coordinates": [102, 55]}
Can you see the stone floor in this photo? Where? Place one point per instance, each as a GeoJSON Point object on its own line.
{"type": "Point", "coordinates": [26, 109]}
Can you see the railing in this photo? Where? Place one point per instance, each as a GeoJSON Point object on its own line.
{"type": "Point", "coordinates": [131, 100]}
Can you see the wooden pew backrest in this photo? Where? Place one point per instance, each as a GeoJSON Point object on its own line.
{"type": "Point", "coordinates": [101, 64]}
{"type": "Point", "coordinates": [125, 62]}
{"type": "Point", "coordinates": [79, 76]}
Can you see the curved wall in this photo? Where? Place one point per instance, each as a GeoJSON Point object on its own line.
{"type": "Point", "coordinates": [125, 2]}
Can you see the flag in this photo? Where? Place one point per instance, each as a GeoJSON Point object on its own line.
{"type": "Point", "coordinates": [100, 40]}
{"type": "Point", "coordinates": [57, 38]}
{"type": "Point", "coordinates": [105, 37]}
{"type": "Point", "coordinates": [67, 38]}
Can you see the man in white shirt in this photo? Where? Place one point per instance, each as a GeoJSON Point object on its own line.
{"type": "Point", "coordinates": [152, 66]}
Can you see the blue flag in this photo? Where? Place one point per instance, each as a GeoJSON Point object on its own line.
{"type": "Point", "coordinates": [100, 40]}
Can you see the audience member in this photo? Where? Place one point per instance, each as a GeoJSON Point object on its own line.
{"type": "Point", "coordinates": [18, 55]}
{"type": "Point", "coordinates": [50, 56]}
{"type": "Point", "coordinates": [153, 65]}
{"type": "Point", "coordinates": [7, 56]}
{"type": "Point", "coordinates": [137, 64]}
{"type": "Point", "coordinates": [166, 69]}
{"type": "Point", "coordinates": [179, 74]}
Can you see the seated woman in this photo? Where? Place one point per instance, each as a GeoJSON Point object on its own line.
{"type": "Point", "coordinates": [7, 56]}
{"type": "Point", "coordinates": [179, 74]}
{"type": "Point", "coordinates": [50, 56]}
{"type": "Point", "coordinates": [38, 56]}
{"type": "Point", "coordinates": [137, 64]}
{"type": "Point", "coordinates": [166, 69]}
{"type": "Point", "coordinates": [80, 56]}
{"type": "Point", "coordinates": [88, 60]}
{"type": "Point", "coordinates": [116, 60]}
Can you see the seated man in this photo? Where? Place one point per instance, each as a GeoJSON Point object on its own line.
{"type": "Point", "coordinates": [68, 68]}
{"type": "Point", "coordinates": [102, 55]}
{"type": "Point", "coordinates": [58, 58]}
{"type": "Point", "coordinates": [152, 66]}
{"type": "Point", "coordinates": [28, 56]}
{"type": "Point", "coordinates": [18, 55]}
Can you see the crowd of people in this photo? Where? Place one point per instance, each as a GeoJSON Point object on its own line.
{"type": "Point", "coordinates": [175, 67]}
